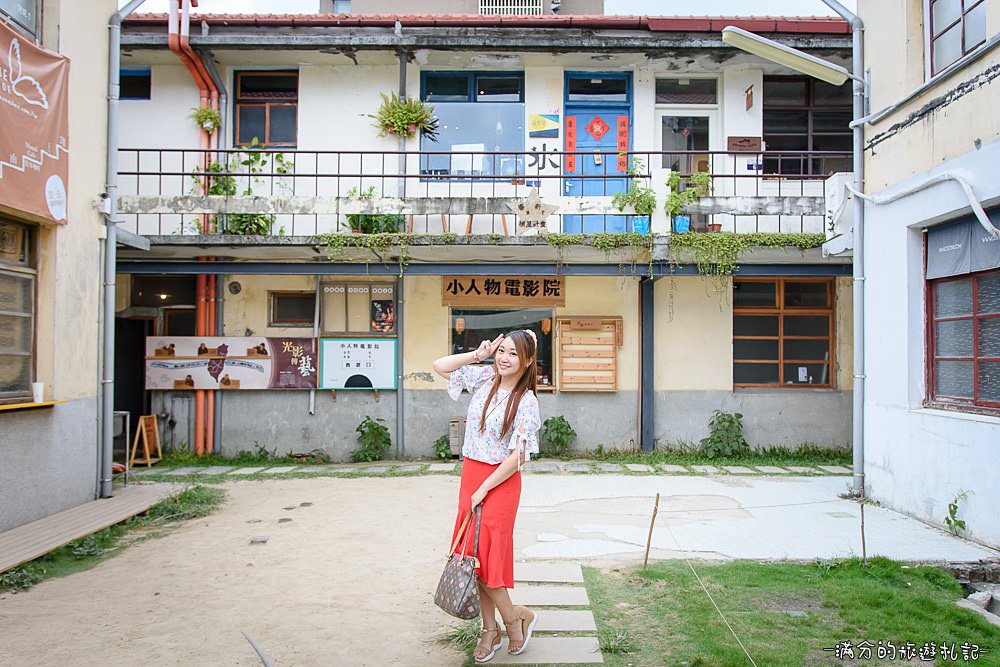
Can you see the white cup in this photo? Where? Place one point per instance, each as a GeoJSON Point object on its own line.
{"type": "Point", "coordinates": [38, 392]}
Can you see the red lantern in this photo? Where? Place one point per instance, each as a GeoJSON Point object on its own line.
{"type": "Point", "coordinates": [459, 324]}
{"type": "Point", "coordinates": [546, 326]}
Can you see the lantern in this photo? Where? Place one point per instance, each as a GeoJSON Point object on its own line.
{"type": "Point", "coordinates": [546, 326]}
{"type": "Point", "coordinates": [459, 324]}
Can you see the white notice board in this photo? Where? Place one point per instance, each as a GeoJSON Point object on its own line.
{"type": "Point", "coordinates": [357, 363]}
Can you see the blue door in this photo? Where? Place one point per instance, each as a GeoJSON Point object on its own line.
{"type": "Point", "coordinates": [595, 134]}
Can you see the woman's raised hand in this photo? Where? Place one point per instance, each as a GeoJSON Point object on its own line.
{"type": "Point", "coordinates": [487, 348]}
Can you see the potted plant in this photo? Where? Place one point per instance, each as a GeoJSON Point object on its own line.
{"type": "Point", "coordinates": [372, 223]}
{"type": "Point", "coordinates": [684, 192]}
{"type": "Point", "coordinates": [405, 116]}
{"type": "Point", "coordinates": [206, 118]}
{"type": "Point", "coordinates": [640, 198]}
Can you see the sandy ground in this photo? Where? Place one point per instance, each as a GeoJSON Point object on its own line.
{"type": "Point", "coordinates": [349, 581]}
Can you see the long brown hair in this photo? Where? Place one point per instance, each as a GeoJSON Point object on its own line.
{"type": "Point", "coordinates": [524, 345]}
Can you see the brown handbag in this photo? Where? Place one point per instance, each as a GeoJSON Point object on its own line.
{"type": "Point", "coordinates": [457, 592]}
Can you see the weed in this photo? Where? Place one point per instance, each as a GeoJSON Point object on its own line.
{"type": "Point", "coordinates": [617, 642]}
{"type": "Point", "coordinates": [442, 447]}
{"type": "Point", "coordinates": [374, 439]}
{"type": "Point", "coordinates": [726, 436]}
{"type": "Point", "coordinates": [557, 435]}
{"type": "Point", "coordinates": [21, 578]}
{"type": "Point", "coordinates": [462, 636]}
{"type": "Point", "coordinates": [952, 521]}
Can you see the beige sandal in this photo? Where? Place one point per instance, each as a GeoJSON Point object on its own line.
{"type": "Point", "coordinates": [495, 645]}
{"type": "Point", "coordinates": [526, 626]}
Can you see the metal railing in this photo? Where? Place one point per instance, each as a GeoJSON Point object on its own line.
{"type": "Point", "coordinates": [299, 193]}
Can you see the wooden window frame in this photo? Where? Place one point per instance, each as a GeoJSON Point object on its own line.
{"type": "Point", "coordinates": [810, 107]}
{"type": "Point", "coordinates": [780, 310]}
{"type": "Point", "coordinates": [272, 308]}
{"type": "Point", "coordinates": [268, 103]}
{"type": "Point", "coordinates": [933, 33]}
{"type": "Point", "coordinates": [946, 402]}
{"type": "Point", "coordinates": [335, 333]}
{"type": "Point", "coordinates": [24, 269]}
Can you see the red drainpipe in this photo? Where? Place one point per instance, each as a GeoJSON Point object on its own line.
{"type": "Point", "coordinates": [178, 26]}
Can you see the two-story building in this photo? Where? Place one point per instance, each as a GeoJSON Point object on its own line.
{"type": "Point", "coordinates": [505, 219]}
{"type": "Point", "coordinates": [932, 259]}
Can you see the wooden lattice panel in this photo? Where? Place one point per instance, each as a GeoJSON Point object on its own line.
{"type": "Point", "coordinates": [588, 353]}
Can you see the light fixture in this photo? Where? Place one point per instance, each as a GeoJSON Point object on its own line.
{"type": "Point", "coordinates": [163, 297]}
{"type": "Point", "coordinates": [785, 55]}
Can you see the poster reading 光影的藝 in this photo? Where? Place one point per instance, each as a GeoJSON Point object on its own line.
{"type": "Point", "coordinates": [216, 362]}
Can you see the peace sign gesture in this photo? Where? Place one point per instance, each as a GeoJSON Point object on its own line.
{"type": "Point", "coordinates": [488, 348]}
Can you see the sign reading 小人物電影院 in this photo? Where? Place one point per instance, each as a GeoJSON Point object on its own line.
{"type": "Point", "coordinates": [504, 291]}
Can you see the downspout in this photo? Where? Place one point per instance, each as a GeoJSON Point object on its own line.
{"type": "Point", "coordinates": [400, 397]}
{"type": "Point", "coordinates": [857, 69]}
{"type": "Point", "coordinates": [106, 448]}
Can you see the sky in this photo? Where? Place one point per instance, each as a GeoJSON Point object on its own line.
{"type": "Point", "coordinates": [640, 7]}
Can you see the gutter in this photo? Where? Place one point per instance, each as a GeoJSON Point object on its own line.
{"type": "Point", "coordinates": [106, 445]}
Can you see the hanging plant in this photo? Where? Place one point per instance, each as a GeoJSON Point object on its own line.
{"type": "Point", "coordinates": [640, 198]}
{"type": "Point", "coordinates": [405, 117]}
{"type": "Point", "coordinates": [206, 118]}
{"type": "Point", "coordinates": [696, 186]}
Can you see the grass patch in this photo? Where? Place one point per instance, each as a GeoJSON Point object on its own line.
{"type": "Point", "coordinates": [86, 552]}
{"type": "Point", "coordinates": [662, 616]}
{"type": "Point", "coordinates": [806, 455]}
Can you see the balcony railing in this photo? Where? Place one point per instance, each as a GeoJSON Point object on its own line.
{"type": "Point", "coordinates": [300, 193]}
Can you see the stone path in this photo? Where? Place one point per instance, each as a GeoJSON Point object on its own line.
{"type": "Point", "coordinates": [545, 466]}
{"type": "Point", "coordinates": [566, 632]}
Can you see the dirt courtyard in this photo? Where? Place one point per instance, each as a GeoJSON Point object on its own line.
{"type": "Point", "coordinates": [349, 581]}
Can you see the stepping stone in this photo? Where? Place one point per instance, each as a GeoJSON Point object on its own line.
{"type": "Point", "coordinates": [609, 467]}
{"type": "Point", "coordinates": [280, 470]}
{"type": "Point", "coordinates": [836, 470]}
{"type": "Point", "coordinates": [142, 472]}
{"type": "Point", "coordinates": [375, 470]}
{"type": "Point", "coordinates": [550, 596]}
{"type": "Point", "coordinates": [542, 467]}
{"type": "Point", "coordinates": [313, 470]}
{"type": "Point", "coordinates": [739, 470]}
{"type": "Point", "coordinates": [670, 467]}
{"type": "Point", "coordinates": [566, 620]}
{"type": "Point", "coordinates": [772, 470]}
{"type": "Point", "coordinates": [408, 468]}
{"type": "Point", "coordinates": [245, 471]}
{"type": "Point", "coordinates": [441, 467]}
{"type": "Point", "coordinates": [564, 573]}
{"type": "Point", "coordinates": [216, 470]}
{"type": "Point", "coordinates": [182, 471]}
{"type": "Point", "coordinates": [802, 470]}
{"type": "Point", "coordinates": [576, 467]}
{"type": "Point", "coordinates": [553, 651]}
{"type": "Point", "coordinates": [639, 467]}
{"type": "Point", "coordinates": [708, 470]}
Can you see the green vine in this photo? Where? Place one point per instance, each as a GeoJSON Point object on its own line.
{"type": "Point", "coordinates": [715, 255]}
{"type": "Point", "coordinates": [449, 237]}
{"type": "Point", "coordinates": [558, 239]}
{"type": "Point", "coordinates": [640, 198]}
{"type": "Point", "coordinates": [336, 245]}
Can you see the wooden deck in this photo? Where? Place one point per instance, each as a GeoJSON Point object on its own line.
{"type": "Point", "coordinates": [27, 542]}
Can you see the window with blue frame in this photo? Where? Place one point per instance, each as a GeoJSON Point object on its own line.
{"type": "Point", "coordinates": [480, 128]}
{"type": "Point", "coordinates": [135, 83]}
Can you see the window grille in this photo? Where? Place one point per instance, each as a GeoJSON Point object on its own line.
{"type": "Point", "coordinates": [522, 7]}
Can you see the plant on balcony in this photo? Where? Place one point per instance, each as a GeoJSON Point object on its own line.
{"type": "Point", "coordinates": [405, 116]}
{"type": "Point", "coordinates": [223, 179]}
{"type": "Point", "coordinates": [206, 118]}
{"type": "Point", "coordinates": [372, 223]}
{"type": "Point", "coordinates": [640, 198]}
{"type": "Point", "coordinates": [695, 187]}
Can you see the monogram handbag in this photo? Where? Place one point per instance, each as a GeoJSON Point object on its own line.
{"type": "Point", "coordinates": [457, 592]}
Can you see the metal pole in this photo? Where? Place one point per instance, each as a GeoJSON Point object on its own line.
{"type": "Point", "coordinates": [110, 250]}
{"type": "Point", "coordinates": [857, 69]}
{"type": "Point", "coordinates": [646, 396]}
{"type": "Point", "coordinates": [401, 189]}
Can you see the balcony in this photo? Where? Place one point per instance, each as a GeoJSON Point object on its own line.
{"type": "Point", "coordinates": [292, 193]}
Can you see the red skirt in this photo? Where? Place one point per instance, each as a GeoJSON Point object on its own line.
{"type": "Point", "coordinates": [496, 532]}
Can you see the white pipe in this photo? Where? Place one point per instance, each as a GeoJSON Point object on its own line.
{"type": "Point", "coordinates": [925, 183]}
{"type": "Point", "coordinates": [106, 446]}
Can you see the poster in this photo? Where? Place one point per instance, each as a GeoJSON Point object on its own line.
{"type": "Point", "coordinates": [357, 363]}
{"type": "Point", "coordinates": [34, 128]}
{"type": "Point", "coordinates": [182, 363]}
{"type": "Point", "coordinates": [543, 126]}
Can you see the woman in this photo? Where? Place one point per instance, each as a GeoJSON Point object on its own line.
{"type": "Point", "coordinates": [500, 432]}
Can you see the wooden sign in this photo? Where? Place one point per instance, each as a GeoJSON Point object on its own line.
{"type": "Point", "coordinates": [588, 353]}
{"type": "Point", "coordinates": [503, 291]}
{"type": "Point", "coordinates": [743, 144]}
{"type": "Point", "coordinates": [150, 435]}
